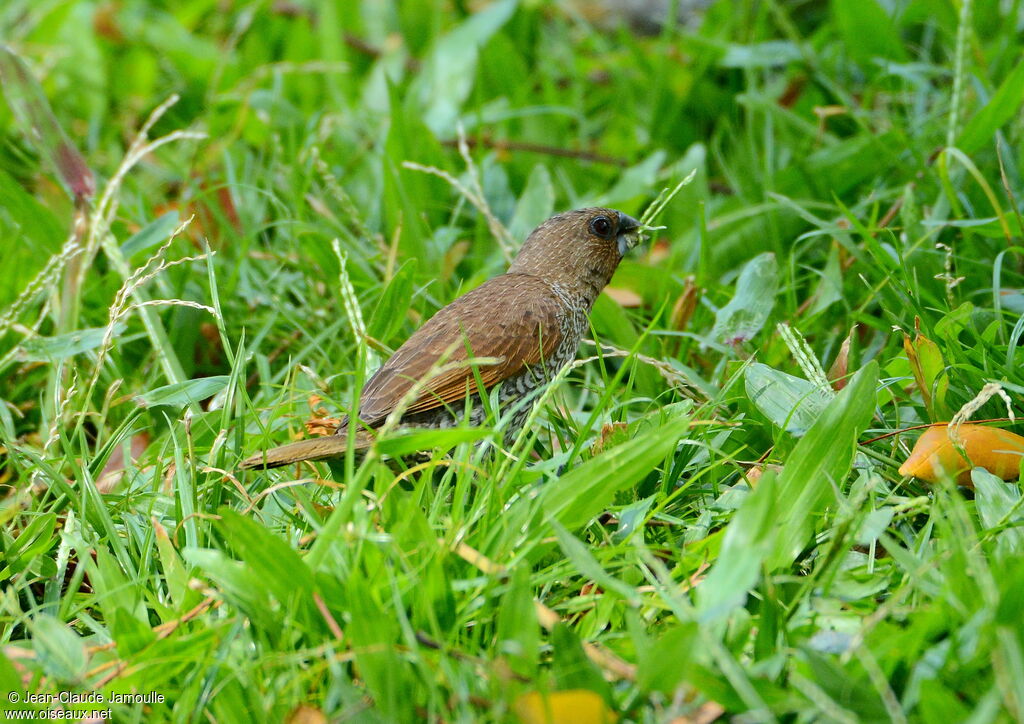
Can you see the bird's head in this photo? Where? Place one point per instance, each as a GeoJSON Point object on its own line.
{"type": "Point", "coordinates": [579, 248]}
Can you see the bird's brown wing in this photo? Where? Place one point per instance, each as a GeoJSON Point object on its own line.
{"type": "Point", "coordinates": [514, 318]}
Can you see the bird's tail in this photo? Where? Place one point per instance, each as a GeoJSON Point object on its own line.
{"type": "Point", "coordinates": [317, 448]}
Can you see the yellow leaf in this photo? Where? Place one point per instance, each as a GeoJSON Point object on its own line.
{"type": "Point", "coordinates": [998, 451]}
{"type": "Point", "coordinates": [574, 706]}
{"type": "Point", "coordinates": [306, 714]}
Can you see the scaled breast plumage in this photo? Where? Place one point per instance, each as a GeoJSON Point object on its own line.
{"type": "Point", "coordinates": [515, 318]}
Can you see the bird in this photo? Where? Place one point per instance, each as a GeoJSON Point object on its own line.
{"type": "Point", "coordinates": [523, 326]}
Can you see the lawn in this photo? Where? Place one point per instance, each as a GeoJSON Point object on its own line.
{"type": "Point", "coordinates": [218, 218]}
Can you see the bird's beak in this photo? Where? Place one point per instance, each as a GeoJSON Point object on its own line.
{"type": "Point", "coordinates": [629, 234]}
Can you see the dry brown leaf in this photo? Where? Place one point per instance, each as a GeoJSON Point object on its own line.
{"type": "Point", "coordinates": [104, 22]}
{"type": "Point", "coordinates": [753, 474]}
{"type": "Point", "coordinates": [624, 297]}
{"type": "Point", "coordinates": [928, 367]}
{"type": "Point", "coordinates": [113, 471]}
{"type": "Point", "coordinates": [573, 706]}
{"type": "Point", "coordinates": [934, 454]}
{"type": "Point", "coordinates": [660, 251]}
{"type": "Point", "coordinates": [837, 373]}
{"type": "Point", "coordinates": [209, 349]}
{"type": "Point", "coordinates": [707, 713]}
{"type": "Point", "coordinates": [612, 433]}
{"type": "Point", "coordinates": [322, 426]}
{"type": "Point", "coordinates": [455, 254]}
{"type": "Point", "coordinates": [314, 401]}
{"type": "Point", "coordinates": [685, 305]}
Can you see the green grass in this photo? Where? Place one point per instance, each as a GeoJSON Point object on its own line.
{"type": "Point", "coordinates": [857, 167]}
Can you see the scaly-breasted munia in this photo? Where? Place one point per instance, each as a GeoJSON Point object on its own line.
{"type": "Point", "coordinates": [530, 320]}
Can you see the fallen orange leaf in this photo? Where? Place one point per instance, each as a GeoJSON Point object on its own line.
{"type": "Point", "coordinates": [573, 706]}
{"type": "Point", "coordinates": [998, 451]}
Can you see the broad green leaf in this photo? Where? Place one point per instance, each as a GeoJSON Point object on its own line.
{"type": "Point", "coordinates": [776, 520]}
{"type": "Point", "coordinates": [939, 702]}
{"type": "Point", "coordinates": [995, 498]}
{"type": "Point", "coordinates": [518, 633]}
{"type": "Point", "coordinates": [830, 287]}
{"type": "Point", "coordinates": [175, 574]}
{"type": "Point", "coordinates": [39, 225]}
{"type": "Point", "coordinates": [30, 105]}
{"type": "Point", "coordinates": [635, 181]}
{"type": "Point", "coordinates": [873, 524]}
{"type": "Point", "coordinates": [131, 634]}
{"type": "Point", "coordinates": [535, 205]}
{"type": "Point", "coordinates": [413, 440]}
{"type": "Point", "coordinates": [767, 54]}
{"type": "Point", "coordinates": [114, 584]}
{"type": "Point", "coordinates": [153, 234]}
{"type": "Point", "coordinates": [749, 309]}
{"type": "Point", "coordinates": [929, 372]}
{"type": "Point", "coordinates": [40, 232]}
{"type": "Point", "coordinates": [1011, 584]}
{"type": "Point", "coordinates": [571, 667]}
{"type": "Point", "coordinates": [665, 662]}
{"type": "Point", "coordinates": [576, 497]}
{"type": "Point", "coordinates": [184, 393]}
{"type": "Point", "coordinates": [1004, 104]}
{"type": "Point", "coordinates": [840, 685]}
{"type": "Point", "coordinates": [791, 403]}
{"type": "Point", "coordinates": [868, 31]}
{"type": "Point", "coordinates": [612, 322]}
{"type": "Point", "coordinates": [401, 203]}
{"type": "Point", "coordinates": [954, 322]}
{"type": "Point", "coordinates": [450, 70]}
{"type": "Point", "coordinates": [838, 167]}
{"type": "Point", "coordinates": [62, 346]}
{"type": "Point", "coordinates": [587, 565]}
{"type": "Point", "coordinates": [10, 679]}
{"type": "Point", "coordinates": [374, 631]}
{"type": "Point", "coordinates": [820, 463]}
{"type": "Point", "coordinates": [393, 307]}
{"type": "Point", "coordinates": [749, 539]}
{"type": "Point", "coordinates": [241, 584]}
{"type": "Point", "coordinates": [279, 567]}
{"type": "Point", "coordinates": [36, 538]}
{"type": "Point", "coordinates": [631, 519]}
{"type": "Point", "coordinates": [60, 651]}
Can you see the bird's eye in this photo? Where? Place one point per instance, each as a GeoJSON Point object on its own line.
{"type": "Point", "coordinates": [602, 226]}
